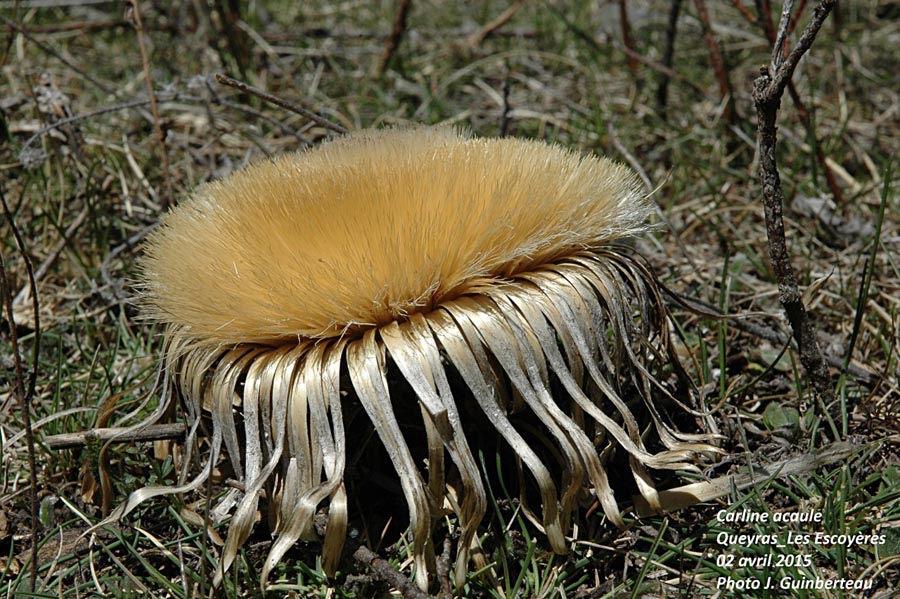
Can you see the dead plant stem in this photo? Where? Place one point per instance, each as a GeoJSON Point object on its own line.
{"type": "Point", "coordinates": [168, 197]}
{"type": "Point", "coordinates": [668, 58]}
{"type": "Point", "coordinates": [24, 394]}
{"type": "Point", "coordinates": [764, 21]}
{"type": "Point", "coordinates": [393, 41]}
{"type": "Point", "coordinates": [291, 106]}
{"type": "Point", "coordinates": [718, 61]}
{"type": "Point", "coordinates": [475, 39]}
{"type": "Point", "coordinates": [767, 93]}
{"type": "Point", "coordinates": [627, 38]}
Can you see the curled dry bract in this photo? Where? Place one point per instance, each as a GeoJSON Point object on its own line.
{"type": "Point", "coordinates": [493, 256]}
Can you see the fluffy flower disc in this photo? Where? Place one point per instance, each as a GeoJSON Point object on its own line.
{"type": "Point", "coordinates": [367, 229]}
{"type": "Point", "coordinates": [434, 250]}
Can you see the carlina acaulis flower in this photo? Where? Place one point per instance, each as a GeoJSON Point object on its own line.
{"type": "Point", "coordinates": [434, 255]}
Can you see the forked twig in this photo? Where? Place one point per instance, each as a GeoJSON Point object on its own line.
{"type": "Point", "coordinates": [781, 37]}
{"type": "Point", "coordinates": [767, 93]}
{"type": "Point", "coordinates": [474, 40]}
{"type": "Point", "coordinates": [779, 43]}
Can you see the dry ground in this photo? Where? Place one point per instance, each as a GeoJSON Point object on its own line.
{"type": "Point", "coordinates": [84, 191]}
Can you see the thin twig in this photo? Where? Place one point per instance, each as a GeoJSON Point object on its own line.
{"type": "Point", "coordinates": [393, 41]}
{"type": "Point", "coordinates": [24, 394]}
{"type": "Point", "coordinates": [134, 14]}
{"type": "Point", "coordinates": [215, 99]}
{"type": "Point", "coordinates": [443, 571]}
{"type": "Point", "coordinates": [505, 109]}
{"type": "Point", "coordinates": [668, 58]}
{"type": "Point", "coordinates": [54, 253]}
{"type": "Point", "coordinates": [744, 11]}
{"type": "Point", "coordinates": [117, 434]}
{"type": "Point", "coordinates": [287, 105]}
{"type": "Point", "coordinates": [87, 76]}
{"type": "Point", "coordinates": [774, 85]}
{"type": "Point", "coordinates": [26, 155]}
{"type": "Point", "coordinates": [384, 571]}
{"type": "Point", "coordinates": [629, 157]}
{"type": "Point", "coordinates": [767, 94]}
{"type": "Point", "coordinates": [475, 39]}
{"type": "Point", "coordinates": [781, 37]}
{"type": "Point", "coordinates": [230, 12]}
{"type": "Point", "coordinates": [718, 62]}
{"type": "Point", "coordinates": [739, 322]}
{"type": "Point", "coordinates": [23, 153]}
{"type": "Point", "coordinates": [765, 21]}
{"type": "Point", "coordinates": [626, 37]}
